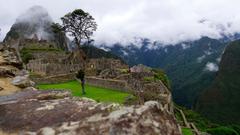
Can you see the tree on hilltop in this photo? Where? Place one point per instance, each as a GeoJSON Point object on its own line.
{"type": "Point", "coordinates": [80, 25]}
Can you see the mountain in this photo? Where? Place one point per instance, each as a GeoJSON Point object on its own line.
{"type": "Point", "coordinates": [36, 23]}
{"type": "Point", "coordinates": [191, 66]}
{"type": "Point", "coordinates": [94, 52]}
{"type": "Point", "coordinates": [220, 102]}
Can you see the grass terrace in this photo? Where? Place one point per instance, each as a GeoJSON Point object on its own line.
{"type": "Point", "coordinates": [96, 93]}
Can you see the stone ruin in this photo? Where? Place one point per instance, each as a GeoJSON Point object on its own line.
{"type": "Point", "coordinates": [96, 66]}
{"type": "Point", "coordinates": [106, 63]}
{"type": "Point", "coordinates": [48, 63]}
{"type": "Point", "coordinates": [134, 82]}
{"type": "Point", "coordinates": [12, 76]}
{"type": "Point", "coordinates": [48, 69]}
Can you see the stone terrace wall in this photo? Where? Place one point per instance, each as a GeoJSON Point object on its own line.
{"type": "Point", "coordinates": [108, 83]}
{"type": "Point", "coordinates": [38, 66]}
{"type": "Point", "coordinates": [54, 79]}
{"type": "Point", "coordinates": [104, 83]}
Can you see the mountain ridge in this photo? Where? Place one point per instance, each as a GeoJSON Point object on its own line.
{"type": "Point", "coordinates": [220, 101]}
{"type": "Point", "coordinates": [185, 63]}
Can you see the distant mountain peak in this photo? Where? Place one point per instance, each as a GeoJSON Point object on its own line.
{"type": "Point", "coordinates": [35, 14]}
{"type": "Point", "coordinates": [35, 21]}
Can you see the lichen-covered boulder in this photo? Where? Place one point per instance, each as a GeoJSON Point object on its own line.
{"type": "Point", "coordinates": [26, 113]}
{"type": "Point", "coordinates": [22, 81]}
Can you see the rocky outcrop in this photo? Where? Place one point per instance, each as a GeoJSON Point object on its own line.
{"type": "Point", "coordinates": [36, 24]}
{"type": "Point", "coordinates": [22, 81]}
{"type": "Point", "coordinates": [9, 56]}
{"type": "Point", "coordinates": [10, 65]}
{"type": "Point", "coordinates": [12, 77]}
{"type": "Point", "coordinates": [55, 112]}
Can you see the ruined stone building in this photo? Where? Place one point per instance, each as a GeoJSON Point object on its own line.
{"type": "Point", "coordinates": [106, 63]}
{"type": "Point", "coordinates": [42, 68]}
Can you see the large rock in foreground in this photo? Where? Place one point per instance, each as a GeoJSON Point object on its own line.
{"type": "Point", "coordinates": [55, 112]}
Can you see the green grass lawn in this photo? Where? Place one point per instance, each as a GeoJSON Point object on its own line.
{"type": "Point", "coordinates": [96, 93]}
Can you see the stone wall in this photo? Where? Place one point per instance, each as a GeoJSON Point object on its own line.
{"type": "Point", "coordinates": [56, 66]}
{"type": "Point", "coordinates": [108, 83]}
{"type": "Point", "coordinates": [37, 66]}
{"type": "Point", "coordinates": [99, 82]}
{"type": "Point", "coordinates": [145, 91]}
{"type": "Point", "coordinates": [54, 79]}
{"type": "Point", "coordinates": [50, 56]}
{"type": "Point", "coordinates": [106, 63]}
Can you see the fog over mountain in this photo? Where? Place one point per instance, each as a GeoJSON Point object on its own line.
{"type": "Point", "coordinates": [35, 21]}
{"type": "Point", "coordinates": [123, 21]}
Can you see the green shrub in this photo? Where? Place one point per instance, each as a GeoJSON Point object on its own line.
{"type": "Point", "coordinates": [222, 131]}
{"type": "Point", "coordinates": [161, 75]}
{"type": "Point", "coordinates": [201, 122]}
{"type": "Point", "coordinates": [187, 131]}
{"type": "Point", "coordinates": [149, 79]}
{"type": "Point", "coordinates": [236, 128]}
{"type": "Point", "coordinates": [26, 55]}
{"type": "Point", "coordinates": [130, 100]}
{"type": "Point", "coordinates": [124, 71]}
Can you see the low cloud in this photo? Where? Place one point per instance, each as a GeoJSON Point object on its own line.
{"type": "Point", "coordinates": [201, 58]}
{"type": "Point", "coordinates": [212, 67]}
{"type": "Point", "coordinates": [166, 21]}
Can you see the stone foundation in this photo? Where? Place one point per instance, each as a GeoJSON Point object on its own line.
{"type": "Point", "coordinates": [54, 79]}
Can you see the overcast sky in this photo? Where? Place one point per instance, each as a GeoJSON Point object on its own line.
{"type": "Point", "coordinates": [168, 21]}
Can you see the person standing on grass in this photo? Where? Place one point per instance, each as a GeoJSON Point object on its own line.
{"type": "Point", "coordinates": [80, 75]}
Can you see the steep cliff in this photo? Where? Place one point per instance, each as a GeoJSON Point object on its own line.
{"type": "Point", "coordinates": [220, 102]}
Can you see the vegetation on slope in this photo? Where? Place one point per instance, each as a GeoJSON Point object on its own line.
{"type": "Point", "coordinates": [220, 102]}
{"type": "Point", "coordinates": [26, 55]}
{"type": "Point", "coordinates": [94, 52]}
{"type": "Point", "coordinates": [187, 131]}
{"type": "Point", "coordinates": [184, 64]}
{"type": "Point", "coordinates": [161, 75]}
{"type": "Point", "coordinates": [205, 125]}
